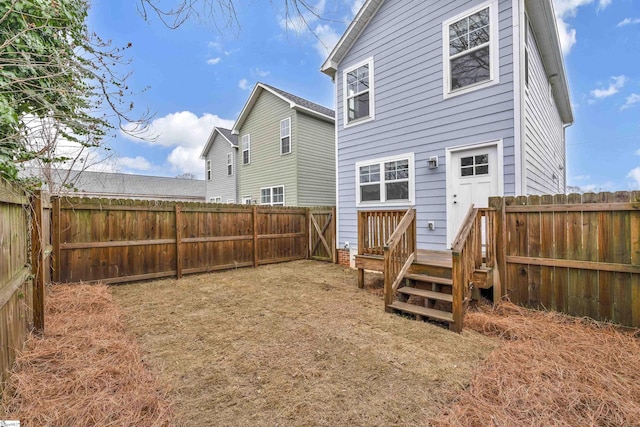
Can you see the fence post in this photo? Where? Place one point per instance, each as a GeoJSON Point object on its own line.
{"type": "Point", "coordinates": [308, 231]}
{"type": "Point", "coordinates": [499, 237]}
{"type": "Point", "coordinates": [55, 237]}
{"type": "Point", "coordinates": [37, 260]}
{"type": "Point", "coordinates": [178, 242]}
{"type": "Point", "coordinates": [334, 234]}
{"type": "Point", "coordinates": [256, 253]}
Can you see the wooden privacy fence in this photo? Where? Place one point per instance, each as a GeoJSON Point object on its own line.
{"type": "Point", "coordinates": [116, 241]}
{"type": "Point", "coordinates": [21, 299]}
{"type": "Point", "coordinates": [578, 254]}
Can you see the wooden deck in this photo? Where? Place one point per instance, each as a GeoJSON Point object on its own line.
{"type": "Point", "coordinates": [427, 257]}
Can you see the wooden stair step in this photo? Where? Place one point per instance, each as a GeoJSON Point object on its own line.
{"type": "Point", "coordinates": [426, 294]}
{"type": "Point", "coordinates": [422, 311]}
{"type": "Point", "coordinates": [430, 279]}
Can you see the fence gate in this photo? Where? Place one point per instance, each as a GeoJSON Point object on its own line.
{"type": "Point", "coordinates": [322, 234]}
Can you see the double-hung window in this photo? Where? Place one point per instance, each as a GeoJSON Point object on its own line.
{"type": "Point", "coordinates": [358, 93]}
{"type": "Point", "coordinates": [229, 164]}
{"type": "Point", "coordinates": [273, 196]}
{"type": "Point", "coordinates": [386, 181]}
{"type": "Point", "coordinates": [246, 149]}
{"type": "Point", "coordinates": [208, 170]}
{"type": "Point", "coordinates": [285, 136]}
{"type": "Point", "coordinates": [471, 50]}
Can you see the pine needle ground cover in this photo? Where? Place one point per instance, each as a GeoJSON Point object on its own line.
{"type": "Point", "coordinates": [85, 370]}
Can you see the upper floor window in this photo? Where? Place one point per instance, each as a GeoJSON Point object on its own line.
{"type": "Point", "coordinates": [273, 196]}
{"type": "Point", "coordinates": [285, 136]}
{"type": "Point", "coordinates": [386, 181]}
{"type": "Point", "coordinates": [358, 93]}
{"type": "Point", "coordinates": [246, 149]}
{"type": "Point", "coordinates": [471, 50]}
{"type": "Point", "coordinates": [229, 164]}
{"type": "Point", "coordinates": [208, 170]}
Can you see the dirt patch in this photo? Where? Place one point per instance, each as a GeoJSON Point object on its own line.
{"type": "Point", "coordinates": [294, 344]}
{"type": "Point", "coordinates": [86, 370]}
{"type": "Point", "coordinates": [553, 370]}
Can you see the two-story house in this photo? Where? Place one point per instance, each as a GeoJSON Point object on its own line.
{"type": "Point", "coordinates": [280, 152]}
{"type": "Point", "coordinates": [441, 104]}
{"type": "Point", "coordinates": [219, 154]}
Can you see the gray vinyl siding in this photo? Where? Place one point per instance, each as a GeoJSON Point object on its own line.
{"type": "Point", "coordinates": [544, 136]}
{"type": "Point", "coordinates": [316, 161]}
{"type": "Point", "coordinates": [221, 184]}
{"type": "Point", "coordinates": [268, 168]}
{"type": "Point", "coordinates": [405, 40]}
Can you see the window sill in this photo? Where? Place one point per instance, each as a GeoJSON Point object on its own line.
{"type": "Point", "coordinates": [384, 204]}
{"type": "Point", "coordinates": [357, 122]}
{"type": "Point", "coordinates": [468, 89]}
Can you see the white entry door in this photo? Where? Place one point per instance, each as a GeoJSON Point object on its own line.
{"type": "Point", "coordinates": [473, 175]}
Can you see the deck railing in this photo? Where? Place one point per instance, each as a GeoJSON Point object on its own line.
{"type": "Point", "coordinates": [474, 246]}
{"type": "Point", "coordinates": [399, 253]}
{"type": "Point", "coordinates": [375, 229]}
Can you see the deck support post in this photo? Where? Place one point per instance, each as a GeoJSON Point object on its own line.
{"type": "Point", "coordinates": [361, 278]}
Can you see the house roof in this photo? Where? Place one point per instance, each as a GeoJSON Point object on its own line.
{"type": "Point", "coordinates": [542, 20]}
{"type": "Point", "coordinates": [295, 102]}
{"type": "Point", "coordinates": [224, 133]}
{"type": "Point", "coordinates": [122, 185]}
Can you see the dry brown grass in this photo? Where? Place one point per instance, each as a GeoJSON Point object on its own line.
{"type": "Point", "coordinates": [86, 370]}
{"type": "Point", "coordinates": [294, 344]}
{"type": "Point", "coordinates": [553, 370]}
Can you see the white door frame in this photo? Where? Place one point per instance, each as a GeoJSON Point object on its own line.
{"type": "Point", "coordinates": [498, 144]}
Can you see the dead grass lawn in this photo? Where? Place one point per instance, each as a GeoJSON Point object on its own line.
{"type": "Point", "coordinates": [294, 344]}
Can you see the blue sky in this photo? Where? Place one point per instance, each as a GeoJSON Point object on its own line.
{"type": "Point", "coordinates": [201, 74]}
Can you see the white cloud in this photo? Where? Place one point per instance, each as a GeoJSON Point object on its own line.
{"type": "Point", "coordinates": [136, 163]}
{"type": "Point", "coordinates": [356, 6]}
{"type": "Point", "coordinates": [300, 22]}
{"type": "Point", "coordinates": [634, 178]}
{"type": "Point", "coordinates": [628, 21]}
{"type": "Point", "coordinates": [260, 73]}
{"type": "Point", "coordinates": [598, 188]}
{"type": "Point", "coordinates": [244, 84]}
{"type": "Point", "coordinates": [187, 133]}
{"type": "Point", "coordinates": [187, 159]}
{"type": "Point", "coordinates": [638, 152]}
{"type": "Point", "coordinates": [568, 9]}
{"type": "Point", "coordinates": [327, 38]}
{"type": "Point", "coordinates": [632, 99]}
{"type": "Point", "coordinates": [602, 4]}
{"type": "Point", "coordinates": [213, 61]}
{"type": "Point", "coordinates": [617, 82]}
{"type": "Point", "coordinates": [183, 128]}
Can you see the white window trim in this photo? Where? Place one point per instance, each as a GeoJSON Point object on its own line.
{"type": "Point", "coordinates": [271, 195]}
{"type": "Point", "coordinates": [494, 51]}
{"type": "Point", "coordinates": [248, 148]}
{"type": "Point", "coordinates": [246, 199]}
{"type": "Point", "coordinates": [208, 170]}
{"type": "Point", "coordinates": [372, 110]}
{"type": "Point", "coordinates": [215, 199]}
{"type": "Point", "coordinates": [381, 161]}
{"type": "Point", "coordinates": [288, 119]}
{"type": "Point", "coordinates": [230, 163]}
{"type": "Point", "coordinates": [230, 201]}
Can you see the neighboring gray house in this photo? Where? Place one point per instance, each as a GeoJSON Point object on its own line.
{"type": "Point", "coordinates": [118, 185]}
{"type": "Point", "coordinates": [441, 104]}
{"type": "Point", "coordinates": [286, 150]}
{"type": "Point", "coordinates": [220, 175]}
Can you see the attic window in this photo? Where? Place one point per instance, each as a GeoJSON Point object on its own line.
{"type": "Point", "coordinates": [246, 149]}
{"type": "Point", "coordinates": [470, 49]}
